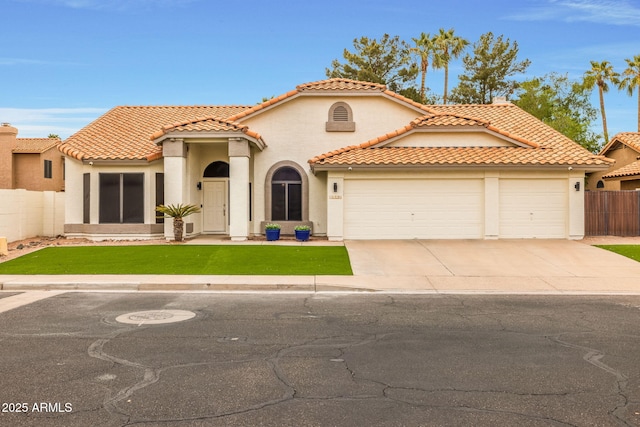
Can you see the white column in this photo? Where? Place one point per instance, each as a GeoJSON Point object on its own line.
{"type": "Point", "coordinates": [239, 154]}
{"type": "Point", "coordinates": [335, 206]}
{"type": "Point", "coordinates": [491, 205]}
{"type": "Point", "coordinates": [576, 205]}
{"type": "Point", "coordinates": [175, 176]}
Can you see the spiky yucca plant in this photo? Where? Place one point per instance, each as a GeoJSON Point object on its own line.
{"type": "Point", "coordinates": [178, 213]}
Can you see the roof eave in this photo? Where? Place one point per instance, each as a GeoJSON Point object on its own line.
{"type": "Point", "coordinates": [356, 166]}
{"type": "Point", "coordinates": [256, 139]}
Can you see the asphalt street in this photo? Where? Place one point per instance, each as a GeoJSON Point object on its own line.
{"type": "Point", "coordinates": [106, 359]}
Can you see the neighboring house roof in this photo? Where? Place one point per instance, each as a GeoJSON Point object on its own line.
{"type": "Point", "coordinates": [629, 170]}
{"type": "Point", "coordinates": [534, 142]}
{"type": "Point", "coordinates": [34, 145]}
{"type": "Point", "coordinates": [122, 133]}
{"type": "Point", "coordinates": [632, 140]}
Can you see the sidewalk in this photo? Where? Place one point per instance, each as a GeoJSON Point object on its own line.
{"type": "Point", "coordinates": [395, 266]}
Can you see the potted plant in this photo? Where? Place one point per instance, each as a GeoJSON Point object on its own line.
{"type": "Point", "coordinates": [177, 212]}
{"type": "Point", "coordinates": [302, 232]}
{"type": "Point", "coordinates": [272, 231]}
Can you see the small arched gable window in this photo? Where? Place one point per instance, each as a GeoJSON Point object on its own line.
{"type": "Point", "coordinates": [217, 170]}
{"type": "Point", "coordinates": [340, 118]}
{"type": "Point", "coordinates": [600, 184]}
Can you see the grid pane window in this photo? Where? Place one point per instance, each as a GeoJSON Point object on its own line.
{"type": "Point", "coordinates": [286, 195]}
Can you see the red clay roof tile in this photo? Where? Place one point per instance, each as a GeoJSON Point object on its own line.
{"type": "Point", "coordinates": [35, 145]}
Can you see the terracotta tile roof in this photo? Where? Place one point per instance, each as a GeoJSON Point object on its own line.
{"type": "Point", "coordinates": [542, 145]}
{"type": "Point", "coordinates": [628, 170]}
{"type": "Point", "coordinates": [206, 124]}
{"type": "Point", "coordinates": [632, 139]}
{"type": "Point", "coordinates": [122, 133]}
{"type": "Point", "coordinates": [463, 156]}
{"type": "Point", "coordinates": [329, 86]}
{"type": "Point", "coordinates": [35, 145]}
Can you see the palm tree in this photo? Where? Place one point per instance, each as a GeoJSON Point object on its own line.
{"type": "Point", "coordinates": [599, 74]}
{"type": "Point", "coordinates": [631, 80]}
{"type": "Point", "coordinates": [177, 212]}
{"type": "Point", "coordinates": [426, 49]}
{"type": "Point", "coordinates": [449, 46]}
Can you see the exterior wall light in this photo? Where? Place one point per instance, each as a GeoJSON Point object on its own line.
{"type": "Point", "coordinates": [335, 187]}
{"type": "Point", "coordinates": [199, 185]}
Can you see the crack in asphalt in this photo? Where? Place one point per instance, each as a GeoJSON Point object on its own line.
{"type": "Point", "coordinates": [594, 357]}
{"type": "Point", "coordinates": [342, 343]}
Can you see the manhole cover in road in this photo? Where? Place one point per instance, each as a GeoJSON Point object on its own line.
{"type": "Point", "coordinates": [155, 317]}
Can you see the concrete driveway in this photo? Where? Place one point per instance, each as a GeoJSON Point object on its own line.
{"type": "Point", "coordinates": [492, 265]}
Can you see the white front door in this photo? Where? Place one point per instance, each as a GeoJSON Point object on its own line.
{"type": "Point", "coordinates": [214, 206]}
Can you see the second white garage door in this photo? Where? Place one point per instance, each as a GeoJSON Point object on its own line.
{"type": "Point", "coordinates": [533, 208]}
{"type": "Point", "coordinates": [409, 209]}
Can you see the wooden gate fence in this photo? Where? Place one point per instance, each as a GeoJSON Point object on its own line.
{"type": "Point", "coordinates": [612, 213]}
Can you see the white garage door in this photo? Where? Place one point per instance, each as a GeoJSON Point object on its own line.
{"type": "Point", "coordinates": [533, 208]}
{"type": "Point", "coordinates": [408, 209]}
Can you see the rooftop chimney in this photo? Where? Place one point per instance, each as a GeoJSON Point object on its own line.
{"type": "Point", "coordinates": [500, 100]}
{"type": "Point", "coordinates": [7, 143]}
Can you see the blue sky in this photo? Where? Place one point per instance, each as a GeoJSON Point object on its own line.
{"type": "Point", "coordinates": [65, 62]}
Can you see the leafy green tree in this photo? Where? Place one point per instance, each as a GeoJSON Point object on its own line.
{"type": "Point", "coordinates": [448, 46]}
{"type": "Point", "coordinates": [562, 104]}
{"type": "Point", "coordinates": [631, 80]}
{"type": "Point", "coordinates": [54, 136]}
{"type": "Point", "coordinates": [488, 71]}
{"type": "Point", "coordinates": [600, 74]}
{"type": "Point", "coordinates": [387, 61]}
{"type": "Point", "coordinates": [426, 50]}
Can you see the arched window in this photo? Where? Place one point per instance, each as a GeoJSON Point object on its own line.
{"type": "Point", "coordinates": [217, 170]}
{"type": "Point", "coordinates": [340, 118]}
{"type": "Point", "coordinates": [286, 195]}
{"type": "Point", "coordinates": [600, 184]}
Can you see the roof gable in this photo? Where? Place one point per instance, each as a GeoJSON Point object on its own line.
{"type": "Point", "coordinates": [34, 145]}
{"type": "Point", "coordinates": [336, 86]}
{"type": "Point", "coordinates": [207, 125]}
{"type": "Point", "coordinates": [630, 139]}
{"type": "Point", "coordinates": [534, 143]}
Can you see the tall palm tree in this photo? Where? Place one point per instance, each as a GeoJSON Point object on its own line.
{"type": "Point", "coordinates": [449, 46]}
{"type": "Point", "coordinates": [426, 49]}
{"type": "Point", "coordinates": [631, 80]}
{"type": "Point", "coordinates": [600, 74]}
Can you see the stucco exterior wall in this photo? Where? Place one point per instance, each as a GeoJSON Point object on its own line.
{"type": "Point", "coordinates": [623, 156]}
{"type": "Point", "coordinates": [296, 131]}
{"type": "Point", "coordinates": [73, 219]}
{"type": "Point", "coordinates": [442, 139]}
{"type": "Point", "coordinates": [25, 214]}
{"type": "Point", "coordinates": [29, 171]}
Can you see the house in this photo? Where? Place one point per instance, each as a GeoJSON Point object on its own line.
{"type": "Point", "coordinates": [29, 163]}
{"type": "Point", "coordinates": [352, 159]}
{"type": "Point", "coordinates": [624, 148]}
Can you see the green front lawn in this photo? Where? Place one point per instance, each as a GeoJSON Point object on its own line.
{"type": "Point", "coordinates": [630, 251]}
{"type": "Point", "coordinates": [184, 259]}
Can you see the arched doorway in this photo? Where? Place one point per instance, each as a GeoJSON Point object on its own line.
{"type": "Point", "coordinates": [215, 197]}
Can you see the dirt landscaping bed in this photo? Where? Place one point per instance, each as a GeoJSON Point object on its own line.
{"type": "Point", "coordinates": [25, 246]}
